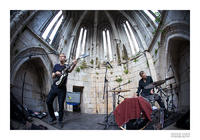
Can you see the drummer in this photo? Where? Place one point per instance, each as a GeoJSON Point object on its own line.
{"type": "Point", "coordinates": [144, 81]}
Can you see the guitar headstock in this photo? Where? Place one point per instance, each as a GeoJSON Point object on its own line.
{"type": "Point", "coordinates": [83, 56]}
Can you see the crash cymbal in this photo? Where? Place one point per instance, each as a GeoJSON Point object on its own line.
{"type": "Point", "coordinates": [157, 83]}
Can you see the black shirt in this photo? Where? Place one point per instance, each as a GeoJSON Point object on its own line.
{"type": "Point", "coordinates": [142, 84]}
{"type": "Point", "coordinates": [59, 68]}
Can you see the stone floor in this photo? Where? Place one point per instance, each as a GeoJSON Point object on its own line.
{"type": "Point", "coordinates": [82, 121]}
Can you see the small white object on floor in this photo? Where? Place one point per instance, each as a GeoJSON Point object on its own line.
{"type": "Point", "coordinates": [56, 114]}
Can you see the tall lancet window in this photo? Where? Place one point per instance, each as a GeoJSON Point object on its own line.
{"type": "Point", "coordinates": [153, 15]}
{"type": "Point", "coordinates": [52, 28]}
{"type": "Point", "coordinates": [81, 42]}
{"type": "Point", "coordinates": [107, 45]}
{"type": "Point", "coordinates": [131, 38]}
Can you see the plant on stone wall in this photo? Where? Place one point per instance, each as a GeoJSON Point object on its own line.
{"type": "Point", "coordinates": [83, 65]}
{"type": "Point", "coordinates": [154, 32]}
{"type": "Point", "coordinates": [135, 60]}
{"type": "Point", "coordinates": [97, 73]}
{"type": "Point", "coordinates": [158, 17]}
{"type": "Point", "coordinates": [96, 60]}
{"type": "Point", "coordinates": [78, 69]}
{"type": "Point", "coordinates": [159, 43]}
{"type": "Point", "coordinates": [147, 64]}
{"type": "Point", "coordinates": [126, 71]}
{"type": "Point", "coordinates": [129, 81]}
{"type": "Point", "coordinates": [92, 61]}
{"type": "Point", "coordinates": [111, 72]}
{"type": "Point", "coordinates": [119, 79]}
{"type": "Point", "coordinates": [161, 30]}
{"type": "Point", "coordinates": [156, 51]}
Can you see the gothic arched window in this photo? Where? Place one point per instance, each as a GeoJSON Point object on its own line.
{"type": "Point", "coordinates": [81, 42]}
{"type": "Point", "coordinates": [52, 28]}
{"type": "Point", "coordinates": [131, 38]}
{"type": "Point", "coordinates": [154, 15]}
{"type": "Point", "coordinates": [107, 45]}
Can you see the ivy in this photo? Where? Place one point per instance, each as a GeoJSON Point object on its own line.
{"type": "Point", "coordinates": [147, 64]}
{"type": "Point", "coordinates": [119, 79]}
{"type": "Point", "coordinates": [156, 51]}
{"type": "Point", "coordinates": [92, 61]}
{"type": "Point", "coordinates": [135, 60]}
{"type": "Point", "coordinates": [158, 17]}
{"type": "Point", "coordinates": [83, 65]}
{"type": "Point", "coordinates": [154, 32]}
{"type": "Point", "coordinates": [126, 71]}
{"type": "Point", "coordinates": [158, 43]}
{"type": "Point", "coordinates": [78, 69]}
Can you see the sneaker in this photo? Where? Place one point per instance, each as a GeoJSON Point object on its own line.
{"type": "Point", "coordinates": [52, 121]}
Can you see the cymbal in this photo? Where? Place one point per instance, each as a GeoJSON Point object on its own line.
{"type": "Point", "coordinates": [124, 90]}
{"type": "Point", "coordinates": [157, 83]}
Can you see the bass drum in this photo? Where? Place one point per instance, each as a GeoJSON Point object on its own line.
{"type": "Point", "coordinates": [137, 124]}
{"type": "Point", "coordinates": [142, 123]}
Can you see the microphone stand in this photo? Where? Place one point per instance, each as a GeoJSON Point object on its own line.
{"type": "Point", "coordinates": [106, 124]}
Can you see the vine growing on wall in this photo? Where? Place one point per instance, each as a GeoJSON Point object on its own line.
{"type": "Point", "coordinates": [92, 61]}
{"type": "Point", "coordinates": [83, 65]}
{"type": "Point", "coordinates": [119, 79]}
{"type": "Point", "coordinates": [158, 17]}
{"type": "Point", "coordinates": [78, 69]}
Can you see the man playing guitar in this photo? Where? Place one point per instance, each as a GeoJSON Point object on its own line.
{"type": "Point", "coordinates": [60, 90]}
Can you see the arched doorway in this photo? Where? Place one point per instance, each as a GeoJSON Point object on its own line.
{"type": "Point", "coordinates": [29, 85]}
{"type": "Point", "coordinates": [179, 59]}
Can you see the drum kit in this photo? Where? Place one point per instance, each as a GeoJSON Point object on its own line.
{"type": "Point", "coordinates": [157, 114]}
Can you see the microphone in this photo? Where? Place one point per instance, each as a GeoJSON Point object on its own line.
{"type": "Point", "coordinates": [109, 64]}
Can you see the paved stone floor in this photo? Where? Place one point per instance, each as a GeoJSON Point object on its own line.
{"type": "Point", "coordinates": [82, 121]}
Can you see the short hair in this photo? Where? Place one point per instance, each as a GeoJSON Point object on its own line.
{"type": "Point", "coordinates": [63, 54]}
{"type": "Point", "coordinates": [141, 72]}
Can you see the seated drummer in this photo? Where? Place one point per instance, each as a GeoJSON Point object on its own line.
{"type": "Point", "coordinates": [144, 81]}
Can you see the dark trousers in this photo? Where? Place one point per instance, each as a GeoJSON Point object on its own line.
{"type": "Point", "coordinates": [61, 93]}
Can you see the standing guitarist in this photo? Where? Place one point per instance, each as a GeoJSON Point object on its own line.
{"type": "Point", "coordinates": [59, 91]}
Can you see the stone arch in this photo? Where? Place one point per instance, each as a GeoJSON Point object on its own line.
{"type": "Point", "coordinates": [175, 45]}
{"type": "Point", "coordinates": [35, 73]}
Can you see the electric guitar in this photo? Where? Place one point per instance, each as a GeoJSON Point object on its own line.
{"type": "Point", "coordinates": [64, 72]}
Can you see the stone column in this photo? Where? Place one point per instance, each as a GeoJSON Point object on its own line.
{"type": "Point", "coordinates": [151, 65]}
